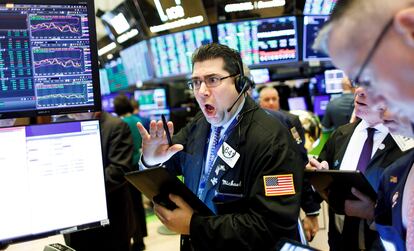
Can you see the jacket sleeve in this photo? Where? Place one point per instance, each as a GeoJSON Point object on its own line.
{"type": "Point", "coordinates": [256, 221]}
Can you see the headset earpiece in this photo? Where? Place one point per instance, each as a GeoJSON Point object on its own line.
{"type": "Point", "coordinates": [242, 80]}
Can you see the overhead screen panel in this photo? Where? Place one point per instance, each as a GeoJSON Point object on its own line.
{"type": "Point", "coordinates": [137, 63]}
{"type": "Point", "coordinates": [319, 7]}
{"type": "Point", "coordinates": [262, 42]}
{"type": "Point", "coordinates": [48, 62]}
{"type": "Point", "coordinates": [172, 53]}
{"type": "Point", "coordinates": [311, 27]}
{"type": "Point", "coordinates": [51, 180]}
{"type": "Point", "coordinates": [168, 16]}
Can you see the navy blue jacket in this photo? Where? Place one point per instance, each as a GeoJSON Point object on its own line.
{"type": "Point", "coordinates": [388, 211]}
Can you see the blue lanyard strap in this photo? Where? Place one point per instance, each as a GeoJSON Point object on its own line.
{"type": "Point", "coordinates": [204, 174]}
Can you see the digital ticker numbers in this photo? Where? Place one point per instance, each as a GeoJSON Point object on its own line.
{"type": "Point", "coordinates": [45, 57]}
{"type": "Point", "coordinates": [261, 42]}
{"type": "Point", "coordinates": [172, 52]}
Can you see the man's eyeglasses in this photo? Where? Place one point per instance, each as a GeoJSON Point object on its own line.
{"type": "Point", "coordinates": [210, 81]}
{"type": "Point", "coordinates": [357, 81]}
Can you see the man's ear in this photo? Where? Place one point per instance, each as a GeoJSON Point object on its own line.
{"type": "Point", "coordinates": [404, 24]}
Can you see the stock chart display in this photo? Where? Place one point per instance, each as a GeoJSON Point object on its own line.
{"type": "Point", "coordinates": [117, 78]}
{"type": "Point", "coordinates": [172, 53]}
{"type": "Point", "coordinates": [319, 7]}
{"type": "Point", "coordinates": [45, 57]}
{"type": "Point", "coordinates": [261, 42]}
{"type": "Point", "coordinates": [311, 27]}
{"type": "Point", "coordinates": [137, 63]}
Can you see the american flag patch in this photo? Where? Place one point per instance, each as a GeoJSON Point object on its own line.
{"type": "Point", "coordinates": [276, 185]}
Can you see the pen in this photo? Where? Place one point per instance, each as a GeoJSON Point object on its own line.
{"type": "Point", "coordinates": [164, 123]}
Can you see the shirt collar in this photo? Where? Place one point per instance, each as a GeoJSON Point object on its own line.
{"type": "Point", "coordinates": [239, 108]}
{"type": "Point", "coordinates": [363, 125]}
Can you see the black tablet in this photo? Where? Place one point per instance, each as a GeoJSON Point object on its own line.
{"type": "Point", "coordinates": [157, 183]}
{"type": "Point", "coordinates": [334, 186]}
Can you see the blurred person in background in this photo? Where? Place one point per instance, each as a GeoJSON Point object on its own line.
{"type": "Point", "coordinates": [117, 153]}
{"type": "Point", "coordinates": [124, 110]}
{"type": "Point", "coordinates": [339, 110]}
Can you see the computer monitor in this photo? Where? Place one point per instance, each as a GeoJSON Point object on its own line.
{"type": "Point", "coordinates": [297, 103]}
{"type": "Point", "coordinates": [48, 61]}
{"type": "Point", "coordinates": [152, 99]}
{"type": "Point", "coordinates": [108, 101]}
{"type": "Point", "coordinates": [260, 76]}
{"type": "Point", "coordinates": [333, 81]}
{"type": "Point", "coordinates": [51, 180]}
{"type": "Point", "coordinates": [262, 41]}
{"type": "Point", "coordinates": [311, 27]}
{"type": "Point", "coordinates": [172, 53]}
{"type": "Point", "coordinates": [319, 104]}
{"type": "Point", "coordinates": [319, 7]}
{"type": "Point", "coordinates": [137, 63]}
{"type": "Point", "coordinates": [117, 78]}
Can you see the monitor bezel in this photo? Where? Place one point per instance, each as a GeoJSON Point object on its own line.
{"type": "Point", "coordinates": [305, 55]}
{"type": "Point", "coordinates": [94, 65]}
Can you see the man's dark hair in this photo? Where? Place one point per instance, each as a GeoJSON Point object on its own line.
{"type": "Point", "coordinates": [122, 105]}
{"type": "Point", "coordinates": [232, 59]}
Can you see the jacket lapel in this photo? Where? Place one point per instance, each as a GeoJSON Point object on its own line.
{"type": "Point", "coordinates": [343, 141]}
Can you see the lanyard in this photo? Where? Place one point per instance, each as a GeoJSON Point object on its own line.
{"type": "Point", "coordinates": [206, 173]}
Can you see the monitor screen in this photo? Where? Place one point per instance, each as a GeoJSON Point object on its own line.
{"type": "Point", "coordinates": [311, 27]}
{"type": "Point", "coordinates": [108, 101]}
{"type": "Point", "coordinates": [48, 64]}
{"type": "Point", "coordinates": [104, 83]}
{"type": "Point", "coordinates": [297, 103]}
{"type": "Point", "coordinates": [51, 180]}
{"type": "Point", "coordinates": [117, 78]}
{"type": "Point", "coordinates": [260, 76]}
{"type": "Point", "coordinates": [172, 53]}
{"type": "Point", "coordinates": [319, 7]}
{"type": "Point", "coordinates": [261, 42]}
{"type": "Point", "coordinates": [319, 104]}
{"type": "Point", "coordinates": [153, 99]}
{"type": "Point", "coordinates": [333, 81]}
{"type": "Point", "coordinates": [317, 85]}
{"type": "Point", "coordinates": [137, 63]}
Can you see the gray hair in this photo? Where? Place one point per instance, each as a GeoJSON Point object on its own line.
{"type": "Point", "coordinates": [352, 13]}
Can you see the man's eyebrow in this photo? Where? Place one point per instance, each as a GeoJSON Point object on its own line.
{"type": "Point", "coordinates": [205, 76]}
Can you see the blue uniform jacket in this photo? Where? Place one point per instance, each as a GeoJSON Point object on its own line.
{"type": "Point", "coordinates": [388, 211]}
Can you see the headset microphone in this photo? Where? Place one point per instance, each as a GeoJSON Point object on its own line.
{"type": "Point", "coordinates": [245, 88]}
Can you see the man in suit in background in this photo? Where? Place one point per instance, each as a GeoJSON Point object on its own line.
{"type": "Point", "coordinates": [339, 110]}
{"type": "Point", "coordinates": [269, 99]}
{"type": "Point", "coordinates": [365, 145]}
{"type": "Point", "coordinates": [117, 150]}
